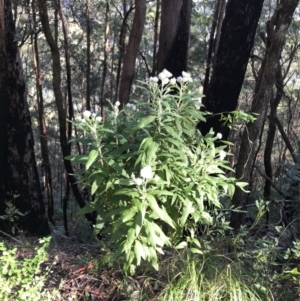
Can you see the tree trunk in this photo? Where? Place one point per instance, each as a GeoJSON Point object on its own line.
{"type": "Point", "coordinates": [277, 29]}
{"type": "Point", "coordinates": [236, 41]}
{"type": "Point", "coordinates": [155, 38]}
{"type": "Point", "coordinates": [271, 133]}
{"type": "Point", "coordinates": [211, 43]}
{"type": "Point", "coordinates": [46, 167]}
{"type": "Point", "coordinates": [56, 68]}
{"type": "Point", "coordinates": [105, 62]}
{"type": "Point", "coordinates": [132, 49]}
{"type": "Point", "coordinates": [88, 56]}
{"type": "Point", "coordinates": [19, 180]}
{"type": "Point", "coordinates": [174, 36]}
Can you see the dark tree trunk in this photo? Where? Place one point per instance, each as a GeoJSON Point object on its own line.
{"type": "Point", "coordinates": [271, 134]}
{"type": "Point", "coordinates": [105, 61]}
{"type": "Point", "coordinates": [46, 167]}
{"type": "Point", "coordinates": [277, 29]}
{"type": "Point", "coordinates": [19, 180]}
{"type": "Point", "coordinates": [174, 36]}
{"type": "Point", "coordinates": [128, 69]}
{"type": "Point", "coordinates": [230, 64]}
{"type": "Point", "coordinates": [88, 56]}
{"type": "Point", "coordinates": [56, 67]}
{"type": "Point", "coordinates": [155, 38]}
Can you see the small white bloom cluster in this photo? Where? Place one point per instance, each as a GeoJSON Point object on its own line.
{"type": "Point", "coordinates": [165, 78]}
{"type": "Point", "coordinates": [131, 106]}
{"type": "Point", "coordinates": [185, 78]}
{"type": "Point", "coordinates": [145, 174]}
{"type": "Point", "coordinates": [219, 136]}
{"type": "Point", "coordinates": [117, 104]}
{"type": "Point", "coordinates": [88, 114]}
{"type": "Point", "coordinates": [222, 155]}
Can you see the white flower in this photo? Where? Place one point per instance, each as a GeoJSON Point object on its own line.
{"type": "Point", "coordinates": [117, 104]}
{"type": "Point", "coordinates": [200, 100]}
{"type": "Point", "coordinates": [164, 81]}
{"type": "Point", "coordinates": [131, 106]}
{"type": "Point", "coordinates": [186, 77]}
{"type": "Point", "coordinates": [162, 76]}
{"type": "Point", "coordinates": [146, 172]}
{"type": "Point", "coordinates": [219, 136]}
{"type": "Point", "coordinates": [222, 155]}
{"type": "Point", "coordinates": [173, 81]}
{"type": "Point", "coordinates": [156, 178]}
{"type": "Point", "coordinates": [153, 79]}
{"type": "Point", "coordinates": [179, 79]}
{"type": "Point", "coordinates": [98, 119]}
{"type": "Point", "coordinates": [87, 114]}
{"type": "Point", "coordinates": [185, 74]}
{"type": "Point", "coordinates": [138, 181]}
{"type": "Point", "coordinates": [93, 115]}
{"type": "Point", "coordinates": [167, 73]}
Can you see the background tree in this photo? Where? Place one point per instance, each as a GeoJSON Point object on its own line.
{"type": "Point", "coordinates": [276, 28]}
{"type": "Point", "coordinates": [174, 36]}
{"type": "Point", "coordinates": [230, 62]}
{"type": "Point", "coordinates": [19, 181]}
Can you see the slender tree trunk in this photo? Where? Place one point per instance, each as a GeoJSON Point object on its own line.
{"type": "Point", "coordinates": [105, 62]}
{"type": "Point", "coordinates": [174, 36]}
{"type": "Point", "coordinates": [19, 180]}
{"type": "Point", "coordinates": [56, 68]}
{"type": "Point", "coordinates": [277, 29]}
{"type": "Point", "coordinates": [211, 45]}
{"type": "Point", "coordinates": [236, 41]}
{"type": "Point", "coordinates": [131, 53]}
{"type": "Point", "coordinates": [46, 166]}
{"type": "Point", "coordinates": [271, 133]}
{"type": "Point", "coordinates": [121, 46]}
{"type": "Point", "coordinates": [88, 56]}
{"type": "Point", "coordinates": [154, 55]}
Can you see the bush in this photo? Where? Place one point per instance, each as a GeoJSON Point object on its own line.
{"type": "Point", "coordinates": [22, 279]}
{"type": "Point", "coordinates": [151, 173]}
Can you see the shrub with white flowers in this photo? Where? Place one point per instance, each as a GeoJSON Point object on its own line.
{"type": "Point", "coordinates": [151, 173]}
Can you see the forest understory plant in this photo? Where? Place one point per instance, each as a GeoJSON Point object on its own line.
{"type": "Point", "coordinates": [151, 173]}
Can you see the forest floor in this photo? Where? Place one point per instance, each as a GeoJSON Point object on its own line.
{"type": "Point", "coordinates": [83, 270]}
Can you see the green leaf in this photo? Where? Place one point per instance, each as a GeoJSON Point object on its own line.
{"type": "Point", "coordinates": [145, 121]}
{"type": "Point", "coordinates": [92, 157]}
{"type": "Point", "coordinates": [181, 245]}
{"type": "Point", "coordinates": [86, 209]}
{"type": "Point", "coordinates": [139, 251]}
{"type": "Point", "coordinates": [94, 187]}
{"type": "Point", "coordinates": [162, 213]}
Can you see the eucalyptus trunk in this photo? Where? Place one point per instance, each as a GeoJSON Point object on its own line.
{"type": "Point", "coordinates": [19, 180]}
{"type": "Point", "coordinates": [277, 28]}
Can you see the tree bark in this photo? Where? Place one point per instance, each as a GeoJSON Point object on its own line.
{"type": "Point", "coordinates": [46, 166]}
{"type": "Point", "coordinates": [155, 38]}
{"type": "Point", "coordinates": [88, 56]}
{"type": "Point", "coordinates": [19, 180]}
{"type": "Point", "coordinates": [236, 41]}
{"type": "Point", "coordinates": [131, 53]}
{"type": "Point", "coordinates": [174, 36]}
{"type": "Point", "coordinates": [277, 29]}
{"type": "Point", "coordinates": [56, 68]}
{"type": "Point", "coordinates": [105, 62]}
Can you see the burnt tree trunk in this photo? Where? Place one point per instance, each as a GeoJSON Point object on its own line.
{"type": "Point", "coordinates": [174, 36]}
{"type": "Point", "coordinates": [230, 62]}
{"type": "Point", "coordinates": [19, 180]}
{"type": "Point", "coordinates": [128, 69]}
{"type": "Point", "coordinates": [56, 68]}
{"type": "Point", "coordinates": [277, 29]}
{"type": "Point", "coordinates": [46, 166]}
